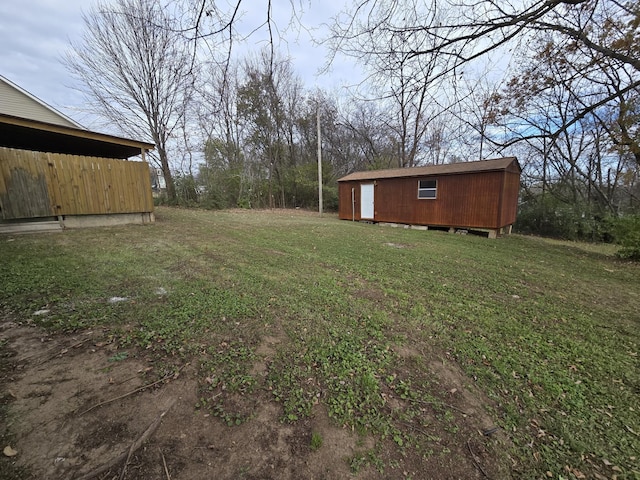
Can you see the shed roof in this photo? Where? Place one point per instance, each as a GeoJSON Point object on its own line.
{"type": "Point", "coordinates": [28, 134]}
{"type": "Point", "coordinates": [430, 170]}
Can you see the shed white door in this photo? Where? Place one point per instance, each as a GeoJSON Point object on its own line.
{"type": "Point", "coordinates": [366, 201]}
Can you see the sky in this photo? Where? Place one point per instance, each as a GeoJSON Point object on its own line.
{"type": "Point", "coordinates": [35, 34]}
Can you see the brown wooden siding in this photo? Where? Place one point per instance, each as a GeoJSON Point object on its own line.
{"type": "Point", "coordinates": [36, 184]}
{"type": "Point", "coordinates": [510, 198]}
{"type": "Point", "coordinates": [344, 200]}
{"type": "Point", "coordinates": [475, 200]}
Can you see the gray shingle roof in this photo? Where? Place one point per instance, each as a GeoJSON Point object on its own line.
{"type": "Point", "coordinates": [429, 170]}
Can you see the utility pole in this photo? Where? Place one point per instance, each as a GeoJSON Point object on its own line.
{"type": "Point", "coordinates": [319, 163]}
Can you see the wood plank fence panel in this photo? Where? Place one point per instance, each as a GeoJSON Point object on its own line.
{"type": "Point", "coordinates": [28, 175]}
{"type": "Point", "coordinates": [36, 184]}
{"type": "Point", "coordinates": [54, 186]}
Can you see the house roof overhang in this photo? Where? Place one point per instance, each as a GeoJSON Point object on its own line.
{"type": "Point", "coordinates": [498, 164]}
{"type": "Point", "coordinates": [27, 134]}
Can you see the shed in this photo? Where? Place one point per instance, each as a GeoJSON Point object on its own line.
{"type": "Point", "coordinates": [55, 174]}
{"type": "Point", "coordinates": [480, 195]}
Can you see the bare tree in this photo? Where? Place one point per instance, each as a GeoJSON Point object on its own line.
{"type": "Point", "coordinates": [136, 71]}
{"type": "Point", "coordinates": [409, 86]}
{"type": "Point", "coordinates": [462, 32]}
{"type": "Point", "coordinates": [581, 157]}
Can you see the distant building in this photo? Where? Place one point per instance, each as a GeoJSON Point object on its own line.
{"type": "Point", "coordinates": [158, 183]}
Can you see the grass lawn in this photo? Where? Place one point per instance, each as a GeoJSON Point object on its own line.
{"type": "Point", "coordinates": [548, 330]}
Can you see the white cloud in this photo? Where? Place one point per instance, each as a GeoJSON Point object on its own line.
{"type": "Point", "coordinates": [35, 34]}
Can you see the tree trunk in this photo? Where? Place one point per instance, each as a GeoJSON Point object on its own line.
{"type": "Point", "coordinates": [168, 177]}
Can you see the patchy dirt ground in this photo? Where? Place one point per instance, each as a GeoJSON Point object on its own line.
{"type": "Point", "coordinates": [68, 411]}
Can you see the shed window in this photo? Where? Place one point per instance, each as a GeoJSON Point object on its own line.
{"type": "Point", "coordinates": [427, 188]}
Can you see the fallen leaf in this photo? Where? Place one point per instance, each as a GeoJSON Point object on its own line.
{"type": "Point", "coordinates": [9, 452]}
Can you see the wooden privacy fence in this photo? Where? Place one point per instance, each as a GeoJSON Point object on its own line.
{"type": "Point", "coordinates": [37, 184]}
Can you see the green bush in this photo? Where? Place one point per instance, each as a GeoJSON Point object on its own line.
{"type": "Point", "coordinates": [330, 198]}
{"type": "Point", "coordinates": [186, 191]}
{"type": "Point", "coordinates": [161, 199]}
{"type": "Point", "coordinates": [626, 233]}
{"type": "Point", "coordinates": [549, 217]}
{"type": "Point", "coordinates": [213, 198]}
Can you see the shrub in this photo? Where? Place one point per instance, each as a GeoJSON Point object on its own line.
{"type": "Point", "coordinates": [549, 217]}
{"type": "Point", "coordinates": [186, 191]}
{"type": "Point", "coordinates": [626, 233]}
